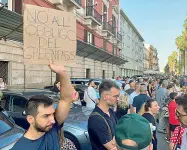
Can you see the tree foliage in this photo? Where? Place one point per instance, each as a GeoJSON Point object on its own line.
{"type": "Point", "coordinates": [173, 64]}
{"type": "Point", "coordinates": [181, 41]}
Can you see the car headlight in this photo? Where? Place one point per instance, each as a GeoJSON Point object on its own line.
{"type": "Point", "coordinates": [86, 134]}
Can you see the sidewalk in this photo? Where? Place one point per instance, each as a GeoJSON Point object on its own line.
{"type": "Point", "coordinates": [162, 144]}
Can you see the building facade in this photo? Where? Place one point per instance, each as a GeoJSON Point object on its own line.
{"type": "Point", "coordinates": [152, 57]}
{"type": "Point", "coordinates": [98, 42]}
{"type": "Point", "coordinates": [132, 47]}
{"type": "Point", "coordinates": [146, 59]}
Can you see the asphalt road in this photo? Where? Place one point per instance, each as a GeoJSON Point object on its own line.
{"type": "Point", "coordinates": [162, 144]}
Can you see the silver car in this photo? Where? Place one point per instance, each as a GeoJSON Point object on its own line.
{"type": "Point", "coordinates": [75, 126]}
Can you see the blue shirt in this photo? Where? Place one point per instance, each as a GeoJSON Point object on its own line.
{"type": "Point", "coordinates": [98, 130]}
{"type": "Point", "coordinates": [49, 141]}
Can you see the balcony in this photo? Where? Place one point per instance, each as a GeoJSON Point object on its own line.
{"type": "Point", "coordinates": [95, 51]}
{"type": "Point", "coordinates": [69, 4]}
{"type": "Point", "coordinates": [93, 18]}
{"type": "Point", "coordinates": [107, 30]}
{"type": "Point", "coordinates": [119, 37]}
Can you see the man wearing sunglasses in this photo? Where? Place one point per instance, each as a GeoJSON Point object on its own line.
{"type": "Point", "coordinates": [181, 113]}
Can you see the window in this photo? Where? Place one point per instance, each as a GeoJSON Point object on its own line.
{"type": "Point", "coordinates": [89, 2]}
{"type": "Point", "coordinates": [90, 38]}
{"type": "Point", "coordinates": [87, 73]}
{"type": "Point", "coordinates": [104, 15]}
{"type": "Point", "coordinates": [4, 124]}
{"type": "Point", "coordinates": [103, 75]}
{"type": "Point", "coordinates": [4, 70]}
{"type": "Point", "coordinates": [114, 25]}
{"type": "Point", "coordinates": [104, 44]}
{"type": "Point", "coordinates": [114, 50]}
{"type": "Point", "coordinates": [3, 2]}
{"type": "Point", "coordinates": [5, 102]}
{"type": "Point", "coordinates": [18, 103]}
{"type": "Point", "coordinates": [17, 6]}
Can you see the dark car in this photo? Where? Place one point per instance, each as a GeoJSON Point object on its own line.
{"type": "Point", "coordinates": [10, 133]}
{"type": "Point", "coordinates": [75, 126]}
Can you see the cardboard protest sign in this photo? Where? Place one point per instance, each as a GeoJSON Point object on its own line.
{"type": "Point", "coordinates": [49, 34]}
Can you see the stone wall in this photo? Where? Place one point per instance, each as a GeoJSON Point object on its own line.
{"type": "Point", "coordinates": [38, 76]}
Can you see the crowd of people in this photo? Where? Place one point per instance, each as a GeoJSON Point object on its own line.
{"type": "Point", "coordinates": [121, 118]}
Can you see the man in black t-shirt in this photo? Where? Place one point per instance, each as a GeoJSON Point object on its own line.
{"type": "Point", "coordinates": [102, 121]}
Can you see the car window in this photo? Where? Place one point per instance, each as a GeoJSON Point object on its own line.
{"type": "Point", "coordinates": [18, 103]}
{"type": "Point", "coordinates": [79, 82]}
{"type": "Point", "coordinates": [5, 125]}
{"type": "Point", "coordinates": [5, 102]}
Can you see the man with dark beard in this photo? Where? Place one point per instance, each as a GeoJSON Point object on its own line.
{"type": "Point", "coordinates": [102, 121]}
{"type": "Point", "coordinates": [45, 122]}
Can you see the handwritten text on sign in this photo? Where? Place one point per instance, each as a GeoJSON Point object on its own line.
{"type": "Point", "coordinates": [49, 33]}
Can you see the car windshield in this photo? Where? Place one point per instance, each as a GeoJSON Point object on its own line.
{"type": "Point", "coordinates": [5, 125]}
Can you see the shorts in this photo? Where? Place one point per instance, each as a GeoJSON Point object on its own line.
{"type": "Point", "coordinates": [172, 127]}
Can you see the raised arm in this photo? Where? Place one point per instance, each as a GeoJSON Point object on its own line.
{"type": "Point", "coordinates": [63, 107]}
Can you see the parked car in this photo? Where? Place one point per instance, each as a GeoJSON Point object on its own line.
{"type": "Point", "coordinates": [75, 126]}
{"type": "Point", "coordinates": [85, 81]}
{"type": "Point", "coordinates": [10, 133]}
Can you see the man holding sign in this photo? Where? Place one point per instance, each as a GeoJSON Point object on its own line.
{"type": "Point", "coordinates": [46, 122]}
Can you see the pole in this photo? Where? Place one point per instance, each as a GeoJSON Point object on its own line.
{"type": "Point", "coordinates": [24, 77]}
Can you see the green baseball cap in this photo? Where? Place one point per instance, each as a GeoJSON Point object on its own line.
{"type": "Point", "coordinates": [135, 128]}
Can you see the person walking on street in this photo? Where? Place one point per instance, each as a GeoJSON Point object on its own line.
{"type": "Point", "coordinates": [102, 121]}
{"type": "Point", "coordinates": [46, 122]}
{"type": "Point", "coordinates": [151, 109]}
{"type": "Point", "coordinates": [140, 99]}
{"type": "Point", "coordinates": [161, 95]}
{"type": "Point", "coordinates": [132, 87]}
{"type": "Point", "coordinates": [90, 96]}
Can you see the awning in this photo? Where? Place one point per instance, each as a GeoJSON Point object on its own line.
{"type": "Point", "coordinates": [87, 50]}
{"type": "Point", "coordinates": [11, 28]}
{"type": "Point", "coordinates": [11, 25]}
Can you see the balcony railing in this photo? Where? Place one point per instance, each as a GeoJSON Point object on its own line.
{"type": "Point", "coordinates": [90, 11]}
{"type": "Point", "coordinates": [119, 36]}
{"type": "Point", "coordinates": [78, 2]}
{"type": "Point", "coordinates": [107, 26]}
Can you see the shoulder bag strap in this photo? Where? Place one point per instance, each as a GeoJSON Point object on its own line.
{"type": "Point", "coordinates": [90, 97]}
{"type": "Point", "coordinates": [98, 114]}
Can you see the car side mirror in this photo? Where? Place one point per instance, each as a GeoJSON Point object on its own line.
{"type": "Point", "coordinates": [24, 113]}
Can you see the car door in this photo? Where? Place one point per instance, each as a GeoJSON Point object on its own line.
{"type": "Point", "coordinates": [16, 109]}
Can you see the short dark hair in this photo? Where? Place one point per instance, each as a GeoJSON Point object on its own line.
{"type": "Point", "coordinates": [36, 101]}
{"type": "Point", "coordinates": [106, 85]}
{"type": "Point", "coordinates": [131, 81]}
{"type": "Point", "coordinates": [172, 95]}
{"type": "Point", "coordinates": [182, 100]}
{"type": "Point", "coordinates": [149, 104]}
{"type": "Point", "coordinates": [90, 81]}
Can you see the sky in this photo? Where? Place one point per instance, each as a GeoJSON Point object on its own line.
{"type": "Point", "coordinates": [158, 21]}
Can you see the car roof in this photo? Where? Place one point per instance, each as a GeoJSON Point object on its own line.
{"type": "Point", "coordinates": [28, 92]}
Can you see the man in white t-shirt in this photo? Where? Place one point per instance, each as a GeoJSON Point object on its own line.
{"type": "Point", "coordinates": [90, 96]}
{"type": "Point", "coordinates": [135, 93]}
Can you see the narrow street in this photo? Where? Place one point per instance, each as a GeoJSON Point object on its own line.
{"type": "Point", "coordinates": [162, 144]}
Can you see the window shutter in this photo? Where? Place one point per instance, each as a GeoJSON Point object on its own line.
{"type": "Point", "coordinates": [93, 39]}
{"type": "Point", "coordinates": [85, 36]}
